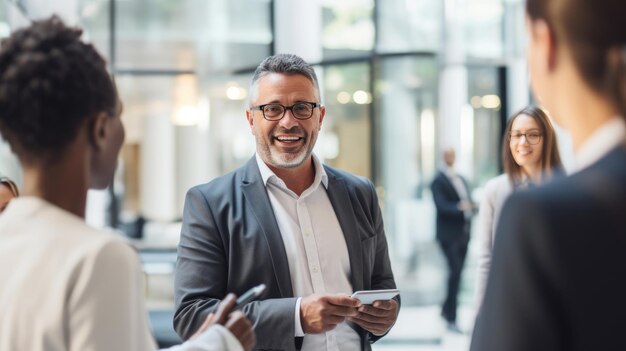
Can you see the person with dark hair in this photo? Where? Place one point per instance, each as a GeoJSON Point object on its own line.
{"type": "Point", "coordinates": [455, 209]}
{"type": "Point", "coordinates": [311, 233]}
{"type": "Point", "coordinates": [65, 285]}
{"type": "Point", "coordinates": [556, 282]}
{"type": "Point", "coordinates": [530, 156]}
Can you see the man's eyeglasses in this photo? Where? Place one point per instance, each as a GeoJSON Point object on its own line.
{"type": "Point", "coordinates": [275, 112]}
{"type": "Point", "coordinates": [532, 138]}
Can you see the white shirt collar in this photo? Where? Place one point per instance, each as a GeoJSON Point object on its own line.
{"type": "Point", "coordinates": [449, 171]}
{"type": "Point", "coordinates": [603, 140]}
{"type": "Point", "coordinates": [267, 174]}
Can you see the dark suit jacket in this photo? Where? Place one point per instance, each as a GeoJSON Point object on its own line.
{"type": "Point", "coordinates": [230, 242]}
{"type": "Point", "coordinates": [558, 277]}
{"type": "Point", "coordinates": [451, 222]}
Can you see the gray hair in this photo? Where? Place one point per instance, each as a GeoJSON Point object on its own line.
{"type": "Point", "coordinates": [286, 64]}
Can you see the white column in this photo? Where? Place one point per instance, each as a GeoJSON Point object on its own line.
{"type": "Point", "coordinates": [517, 85]}
{"type": "Point", "coordinates": [157, 180]}
{"type": "Point", "coordinates": [195, 161]}
{"type": "Point", "coordinates": [453, 85]}
{"type": "Point", "coordinates": [292, 35]}
{"type": "Point", "coordinates": [514, 50]}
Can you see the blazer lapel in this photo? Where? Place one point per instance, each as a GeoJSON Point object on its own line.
{"type": "Point", "coordinates": [256, 195]}
{"type": "Point", "coordinates": [340, 200]}
{"type": "Point", "coordinates": [449, 185]}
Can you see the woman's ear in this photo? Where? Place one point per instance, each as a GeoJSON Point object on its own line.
{"type": "Point", "coordinates": [98, 130]}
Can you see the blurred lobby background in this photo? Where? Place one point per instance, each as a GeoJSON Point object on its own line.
{"type": "Point", "coordinates": [401, 79]}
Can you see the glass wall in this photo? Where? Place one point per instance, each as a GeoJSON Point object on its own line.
{"type": "Point", "coordinates": [191, 34]}
{"type": "Point", "coordinates": [347, 28]}
{"type": "Point", "coordinates": [406, 114]}
{"type": "Point", "coordinates": [405, 26]}
{"type": "Point", "coordinates": [183, 71]}
{"type": "Point", "coordinates": [485, 28]}
{"type": "Point", "coordinates": [345, 141]}
{"type": "Point", "coordinates": [485, 121]}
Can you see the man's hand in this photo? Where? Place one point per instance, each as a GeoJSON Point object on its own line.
{"type": "Point", "coordinates": [235, 322]}
{"type": "Point", "coordinates": [466, 206]}
{"type": "Point", "coordinates": [320, 313]}
{"type": "Point", "coordinates": [378, 317]}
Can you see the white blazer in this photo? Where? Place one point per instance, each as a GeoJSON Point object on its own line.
{"type": "Point", "coordinates": [496, 191]}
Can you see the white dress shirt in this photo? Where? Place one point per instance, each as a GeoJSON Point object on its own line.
{"type": "Point", "coordinates": [316, 250]}
{"type": "Point", "coordinates": [603, 140]}
{"type": "Point", "coordinates": [459, 186]}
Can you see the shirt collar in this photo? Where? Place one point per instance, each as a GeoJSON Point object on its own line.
{"type": "Point", "coordinates": [603, 140]}
{"type": "Point", "coordinates": [267, 174]}
{"type": "Point", "coordinates": [449, 171]}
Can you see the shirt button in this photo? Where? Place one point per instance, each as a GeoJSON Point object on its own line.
{"type": "Point", "coordinates": [315, 269]}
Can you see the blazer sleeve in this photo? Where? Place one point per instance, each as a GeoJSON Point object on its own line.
{"type": "Point", "coordinates": [520, 309]}
{"type": "Point", "coordinates": [202, 277]}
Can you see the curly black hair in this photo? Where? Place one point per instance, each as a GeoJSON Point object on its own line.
{"type": "Point", "coordinates": [50, 83]}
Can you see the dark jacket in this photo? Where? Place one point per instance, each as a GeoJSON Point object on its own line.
{"type": "Point", "coordinates": [558, 278]}
{"type": "Point", "coordinates": [451, 222]}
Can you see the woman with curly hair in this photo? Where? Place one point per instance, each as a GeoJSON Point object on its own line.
{"type": "Point", "coordinates": [65, 285]}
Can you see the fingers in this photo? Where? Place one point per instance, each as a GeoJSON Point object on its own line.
{"type": "Point", "coordinates": [378, 317]}
{"type": "Point", "coordinates": [241, 328]}
{"type": "Point", "coordinates": [381, 308]}
{"type": "Point", "coordinates": [248, 341]}
{"type": "Point", "coordinates": [385, 304]}
{"type": "Point", "coordinates": [375, 328]}
{"type": "Point", "coordinates": [320, 313]}
{"type": "Point", "coordinates": [343, 300]}
{"type": "Point", "coordinates": [224, 308]}
{"type": "Point", "coordinates": [210, 319]}
{"type": "Point", "coordinates": [384, 319]}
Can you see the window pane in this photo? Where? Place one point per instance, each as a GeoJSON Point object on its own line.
{"type": "Point", "coordinates": [483, 91]}
{"type": "Point", "coordinates": [192, 34]}
{"type": "Point", "coordinates": [345, 138]}
{"type": "Point", "coordinates": [94, 19]}
{"type": "Point", "coordinates": [484, 28]}
{"type": "Point", "coordinates": [406, 105]}
{"type": "Point", "coordinates": [233, 144]}
{"type": "Point", "coordinates": [348, 28]}
{"type": "Point", "coordinates": [409, 25]}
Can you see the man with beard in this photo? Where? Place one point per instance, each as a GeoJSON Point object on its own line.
{"type": "Point", "coordinates": [311, 233]}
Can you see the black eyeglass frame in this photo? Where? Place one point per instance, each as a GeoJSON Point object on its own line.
{"type": "Point", "coordinates": [525, 135]}
{"type": "Point", "coordinates": [285, 108]}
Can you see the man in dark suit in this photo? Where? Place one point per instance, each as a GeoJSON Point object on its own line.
{"type": "Point", "coordinates": [311, 233]}
{"type": "Point", "coordinates": [454, 211]}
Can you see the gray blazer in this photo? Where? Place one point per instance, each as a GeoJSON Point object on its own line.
{"type": "Point", "coordinates": [230, 242]}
